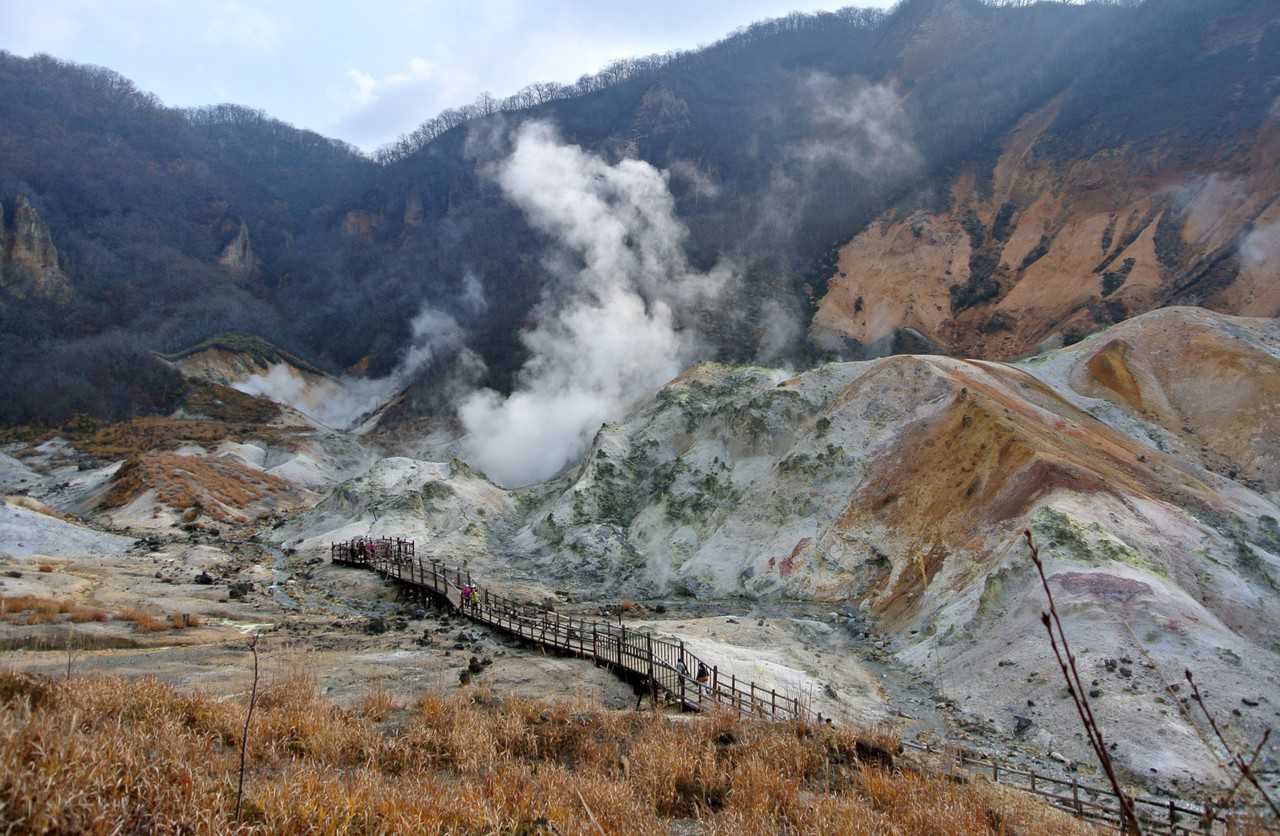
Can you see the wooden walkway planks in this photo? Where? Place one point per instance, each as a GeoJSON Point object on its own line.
{"type": "Point", "coordinates": [638, 656]}
{"type": "Point", "coordinates": [635, 654]}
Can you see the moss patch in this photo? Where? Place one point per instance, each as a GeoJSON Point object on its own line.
{"type": "Point", "coordinates": [1088, 544]}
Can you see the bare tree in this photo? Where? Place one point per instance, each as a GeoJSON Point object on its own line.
{"type": "Point", "coordinates": [1067, 663]}
{"type": "Point", "coordinates": [244, 737]}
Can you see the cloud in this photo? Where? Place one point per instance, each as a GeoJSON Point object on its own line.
{"type": "Point", "coordinates": [235, 24]}
{"type": "Point", "coordinates": [369, 89]}
{"type": "Point", "coordinates": [617, 323]}
{"type": "Point", "coordinates": [381, 107]}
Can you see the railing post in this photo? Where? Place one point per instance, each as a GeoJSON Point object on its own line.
{"type": "Point", "coordinates": [1075, 794]}
{"type": "Point", "coordinates": [653, 683]}
{"type": "Point", "coordinates": [753, 696]}
{"type": "Point", "coordinates": [773, 703]}
{"type": "Point", "coordinates": [715, 683]}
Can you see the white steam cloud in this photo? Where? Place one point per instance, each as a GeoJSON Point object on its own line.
{"type": "Point", "coordinates": [859, 127]}
{"type": "Point", "coordinates": [864, 128]}
{"type": "Point", "coordinates": [615, 326]}
{"type": "Point", "coordinates": [343, 401]}
{"type": "Point", "coordinates": [780, 329]}
{"type": "Point", "coordinates": [1262, 246]}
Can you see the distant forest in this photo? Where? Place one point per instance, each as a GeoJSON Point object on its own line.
{"type": "Point", "coordinates": [141, 199]}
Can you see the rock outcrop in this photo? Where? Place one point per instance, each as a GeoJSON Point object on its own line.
{"type": "Point", "coordinates": [446, 507]}
{"type": "Point", "coordinates": [29, 263]}
{"type": "Point", "coordinates": [1041, 251]}
{"type": "Point", "coordinates": [362, 224]}
{"type": "Point", "coordinates": [238, 258]}
{"type": "Point", "coordinates": [414, 212]}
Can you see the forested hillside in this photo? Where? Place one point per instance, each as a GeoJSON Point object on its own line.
{"type": "Point", "coordinates": [782, 143]}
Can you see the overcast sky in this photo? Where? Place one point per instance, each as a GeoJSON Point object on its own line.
{"type": "Point", "coordinates": [366, 71]}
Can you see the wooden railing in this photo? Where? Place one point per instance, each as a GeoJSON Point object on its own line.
{"type": "Point", "coordinates": [667, 667]}
{"type": "Point", "coordinates": [655, 662]}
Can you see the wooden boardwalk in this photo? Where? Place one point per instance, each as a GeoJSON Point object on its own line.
{"type": "Point", "coordinates": [666, 668]}
{"type": "Point", "coordinates": [667, 671]}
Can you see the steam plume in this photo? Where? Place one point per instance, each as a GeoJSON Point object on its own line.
{"type": "Point", "coordinates": [341, 402]}
{"type": "Point", "coordinates": [615, 325]}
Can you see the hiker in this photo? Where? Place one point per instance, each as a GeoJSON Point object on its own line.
{"type": "Point", "coordinates": [703, 676]}
{"type": "Point", "coordinates": [682, 668]}
{"type": "Point", "coordinates": [466, 595]}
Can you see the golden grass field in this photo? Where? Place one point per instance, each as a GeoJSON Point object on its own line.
{"type": "Point", "coordinates": [107, 755]}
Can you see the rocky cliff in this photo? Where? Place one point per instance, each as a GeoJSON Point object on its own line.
{"type": "Point", "coordinates": [238, 258]}
{"type": "Point", "coordinates": [29, 264]}
{"type": "Point", "coordinates": [1042, 250]}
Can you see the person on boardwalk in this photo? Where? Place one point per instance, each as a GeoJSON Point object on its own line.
{"type": "Point", "coordinates": [703, 676]}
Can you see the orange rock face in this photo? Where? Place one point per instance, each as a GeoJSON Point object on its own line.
{"type": "Point", "coordinates": [1055, 249]}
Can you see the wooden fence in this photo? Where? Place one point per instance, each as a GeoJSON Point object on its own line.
{"type": "Point", "coordinates": [668, 670]}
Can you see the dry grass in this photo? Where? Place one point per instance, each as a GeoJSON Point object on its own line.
{"type": "Point", "coordinates": [222, 488]}
{"type": "Point", "coordinates": [143, 622]}
{"type": "Point", "coordinates": [378, 704]}
{"type": "Point", "coordinates": [32, 609]}
{"type": "Point", "coordinates": [99, 755]}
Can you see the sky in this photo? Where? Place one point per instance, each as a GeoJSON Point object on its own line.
{"type": "Point", "coordinates": [365, 72]}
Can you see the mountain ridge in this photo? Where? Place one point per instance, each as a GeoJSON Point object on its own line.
{"type": "Point", "coordinates": [769, 141]}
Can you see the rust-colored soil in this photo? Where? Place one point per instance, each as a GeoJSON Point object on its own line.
{"type": "Point", "coordinates": [223, 489]}
{"type": "Point", "coordinates": [1195, 379]}
{"type": "Point", "coordinates": [1109, 369]}
{"type": "Point", "coordinates": [1002, 443]}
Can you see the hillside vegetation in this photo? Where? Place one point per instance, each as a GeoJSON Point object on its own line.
{"type": "Point", "coordinates": [784, 141]}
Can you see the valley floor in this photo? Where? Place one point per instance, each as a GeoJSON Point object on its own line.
{"type": "Point", "coordinates": [353, 635]}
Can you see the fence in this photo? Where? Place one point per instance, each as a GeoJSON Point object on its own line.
{"type": "Point", "coordinates": [669, 668]}
{"type": "Point", "coordinates": [664, 666]}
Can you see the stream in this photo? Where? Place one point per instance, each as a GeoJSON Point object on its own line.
{"type": "Point", "coordinates": [280, 574]}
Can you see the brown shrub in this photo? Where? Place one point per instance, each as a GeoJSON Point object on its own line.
{"type": "Point", "coordinates": [183, 620]}
{"type": "Point", "coordinates": [142, 622]}
{"type": "Point", "coordinates": [80, 615]}
{"type": "Point", "coordinates": [46, 567]}
{"type": "Point", "coordinates": [31, 609]}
